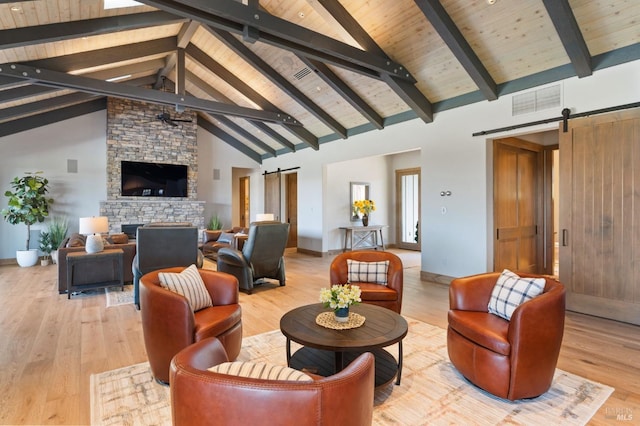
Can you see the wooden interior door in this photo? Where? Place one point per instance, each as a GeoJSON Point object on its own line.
{"type": "Point", "coordinates": [518, 212]}
{"type": "Point", "coordinates": [600, 195]}
{"type": "Point", "coordinates": [292, 208]}
{"type": "Point", "coordinates": [244, 202]}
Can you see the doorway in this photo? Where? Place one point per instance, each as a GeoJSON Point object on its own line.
{"type": "Point", "coordinates": [245, 201]}
{"type": "Point", "coordinates": [524, 206]}
{"type": "Point", "coordinates": [291, 207]}
{"type": "Point", "coordinates": [408, 208]}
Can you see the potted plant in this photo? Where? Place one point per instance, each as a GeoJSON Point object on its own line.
{"type": "Point", "coordinates": [28, 204]}
{"type": "Point", "coordinates": [214, 223]}
{"type": "Point", "coordinates": [46, 247]}
{"type": "Point", "coordinates": [58, 229]}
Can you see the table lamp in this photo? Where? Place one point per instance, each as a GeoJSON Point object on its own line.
{"type": "Point", "coordinates": [92, 227]}
{"type": "Point", "coordinates": [262, 217]}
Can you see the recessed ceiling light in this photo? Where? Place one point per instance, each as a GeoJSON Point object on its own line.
{"type": "Point", "coordinates": [114, 4]}
{"type": "Point", "coordinates": [301, 14]}
{"type": "Point", "coordinates": [16, 9]}
{"type": "Point", "coordinates": [491, 1]}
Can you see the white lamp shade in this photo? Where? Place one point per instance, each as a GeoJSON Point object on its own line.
{"type": "Point", "coordinates": [261, 217]}
{"type": "Point", "coordinates": [93, 225]}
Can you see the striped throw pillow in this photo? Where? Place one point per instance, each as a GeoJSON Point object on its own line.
{"type": "Point", "coordinates": [259, 370]}
{"type": "Point", "coordinates": [189, 284]}
{"type": "Point", "coordinates": [367, 272]}
{"type": "Point", "coordinates": [511, 291]}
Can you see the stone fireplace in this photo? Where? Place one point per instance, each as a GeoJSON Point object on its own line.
{"type": "Point", "coordinates": [134, 134]}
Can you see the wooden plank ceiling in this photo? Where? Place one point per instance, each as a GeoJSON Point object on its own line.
{"type": "Point", "coordinates": [273, 76]}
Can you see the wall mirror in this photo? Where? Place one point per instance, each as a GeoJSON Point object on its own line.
{"type": "Point", "coordinates": [359, 191]}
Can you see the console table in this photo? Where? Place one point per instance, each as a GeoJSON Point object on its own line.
{"type": "Point", "coordinates": [363, 237]}
{"type": "Point", "coordinates": [111, 259]}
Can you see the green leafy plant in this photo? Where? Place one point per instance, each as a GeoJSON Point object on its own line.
{"type": "Point", "coordinates": [214, 223]}
{"type": "Point", "coordinates": [46, 245]}
{"type": "Point", "coordinates": [28, 203]}
{"type": "Point", "coordinates": [58, 229]}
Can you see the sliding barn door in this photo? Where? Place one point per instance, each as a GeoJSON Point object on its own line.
{"type": "Point", "coordinates": [273, 194]}
{"type": "Point", "coordinates": [600, 215]}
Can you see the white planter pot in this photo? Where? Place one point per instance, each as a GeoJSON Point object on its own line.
{"type": "Point", "coordinates": [27, 258]}
{"type": "Point", "coordinates": [54, 257]}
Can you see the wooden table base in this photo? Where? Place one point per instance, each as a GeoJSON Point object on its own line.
{"type": "Point", "coordinates": [325, 363]}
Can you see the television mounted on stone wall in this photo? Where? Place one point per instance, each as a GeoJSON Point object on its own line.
{"type": "Point", "coordinates": [153, 179]}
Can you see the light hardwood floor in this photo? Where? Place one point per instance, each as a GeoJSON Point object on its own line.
{"type": "Point", "coordinates": [50, 345]}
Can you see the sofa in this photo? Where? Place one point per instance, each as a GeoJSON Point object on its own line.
{"type": "Point", "coordinates": [88, 273]}
{"type": "Point", "coordinates": [214, 240]}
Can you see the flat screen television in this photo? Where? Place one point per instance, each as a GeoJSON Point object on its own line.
{"type": "Point", "coordinates": [153, 179]}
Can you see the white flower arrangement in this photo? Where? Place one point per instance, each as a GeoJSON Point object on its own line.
{"type": "Point", "coordinates": [340, 296]}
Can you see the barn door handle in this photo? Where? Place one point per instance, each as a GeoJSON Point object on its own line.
{"type": "Point", "coordinates": [565, 237]}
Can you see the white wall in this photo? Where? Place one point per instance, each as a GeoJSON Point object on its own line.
{"type": "Point", "coordinates": [455, 244]}
{"type": "Point", "coordinates": [48, 148]}
{"type": "Point", "coordinates": [459, 242]}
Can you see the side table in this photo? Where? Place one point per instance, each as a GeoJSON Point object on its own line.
{"type": "Point", "coordinates": [98, 261]}
{"type": "Point", "coordinates": [363, 237]}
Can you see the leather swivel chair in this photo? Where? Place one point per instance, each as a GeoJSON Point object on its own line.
{"type": "Point", "coordinates": [262, 255]}
{"type": "Point", "coordinates": [163, 246]}
{"type": "Point", "coordinates": [389, 296]}
{"type": "Point", "coordinates": [513, 359]}
{"type": "Point", "coordinates": [169, 324]}
{"type": "Point", "coordinates": [201, 397]}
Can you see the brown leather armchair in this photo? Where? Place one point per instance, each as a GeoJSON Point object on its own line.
{"type": "Point", "coordinates": [510, 359]}
{"type": "Point", "coordinates": [201, 397]}
{"type": "Point", "coordinates": [169, 324]}
{"type": "Point", "coordinates": [212, 241]}
{"type": "Point", "coordinates": [389, 296]}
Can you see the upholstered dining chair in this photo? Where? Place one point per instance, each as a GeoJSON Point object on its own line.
{"type": "Point", "coordinates": [379, 275]}
{"type": "Point", "coordinates": [287, 397]}
{"type": "Point", "coordinates": [171, 321]}
{"type": "Point", "coordinates": [262, 255]}
{"type": "Point", "coordinates": [514, 358]}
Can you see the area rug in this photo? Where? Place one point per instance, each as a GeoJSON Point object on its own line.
{"type": "Point", "coordinates": [432, 391]}
{"type": "Point", "coordinates": [116, 296]}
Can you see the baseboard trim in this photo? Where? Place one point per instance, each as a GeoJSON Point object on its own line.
{"type": "Point", "coordinates": [435, 278]}
{"type": "Point", "coordinates": [310, 252]}
{"type": "Point", "coordinates": [7, 262]}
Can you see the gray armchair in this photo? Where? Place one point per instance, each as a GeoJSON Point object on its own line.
{"type": "Point", "coordinates": [159, 247]}
{"type": "Point", "coordinates": [262, 256]}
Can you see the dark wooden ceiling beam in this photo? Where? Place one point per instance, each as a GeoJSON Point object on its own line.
{"type": "Point", "coordinates": [235, 17]}
{"type": "Point", "coordinates": [27, 36]}
{"type": "Point", "coordinates": [258, 63]}
{"type": "Point", "coordinates": [408, 92]}
{"type": "Point", "coordinates": [242, 132]}
{"type": "Point", "coordinates": [109, 55]}
{"type": "Point", "coordinates": [220, 97]}
{"type": "Point", "coordinates": [213, 66]}
{"type": "Point", "coordinates": [38, 120]}
{"type": "Point", "coordinates": [227, 138]}
{"type": "Point", "coordinates": [348, 94]}
{"type": "Point", "coordinates": [88, 85]}
{"type": "Point", "coordinates": [187, 31]}
{"type": "Point", "coordinates": [570, 35]}
{"type": "Point", "coordinates": [44, 105]}
{"type": "Point", "coordinates": [451, 35]}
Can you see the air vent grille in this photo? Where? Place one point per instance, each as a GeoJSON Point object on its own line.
{"type": "Point", "coordinates": [537, 100]}
{"type": "Point", "coordinates": [302, 73]}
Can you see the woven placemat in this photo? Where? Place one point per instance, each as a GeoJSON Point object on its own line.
{"type": "Point", "coordinates": [327, 320]}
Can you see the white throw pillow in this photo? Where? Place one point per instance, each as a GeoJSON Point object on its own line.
{"type": "Point", "coordinates": [259, 370]}
{"type": "Point", "coordinates": [511, 291]}
{"type": "Point", "coordinates": [367, 272]}
{"type": "Point", "coordinates": [189, 284]}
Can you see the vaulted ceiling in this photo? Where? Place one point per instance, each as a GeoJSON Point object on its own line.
{"type": "Point", "coordinates": [274, 76]}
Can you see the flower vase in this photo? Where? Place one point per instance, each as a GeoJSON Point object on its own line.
{"type": "Point", "coordinates": [365, 220]}
{"type": "Point", "coordinates": [341, 314]}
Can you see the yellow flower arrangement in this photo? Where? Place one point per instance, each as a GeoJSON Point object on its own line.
{"type": "Point", "coordinates": [340, 296]}
{"type": "Point", "coordinates": [364, 206]}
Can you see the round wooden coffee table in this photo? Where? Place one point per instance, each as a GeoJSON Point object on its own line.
{"type": "Point", "coordinates": [326, 351]}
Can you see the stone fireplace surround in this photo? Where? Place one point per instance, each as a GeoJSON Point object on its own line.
{"type": "Point", "coordinates": [133, 134]}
